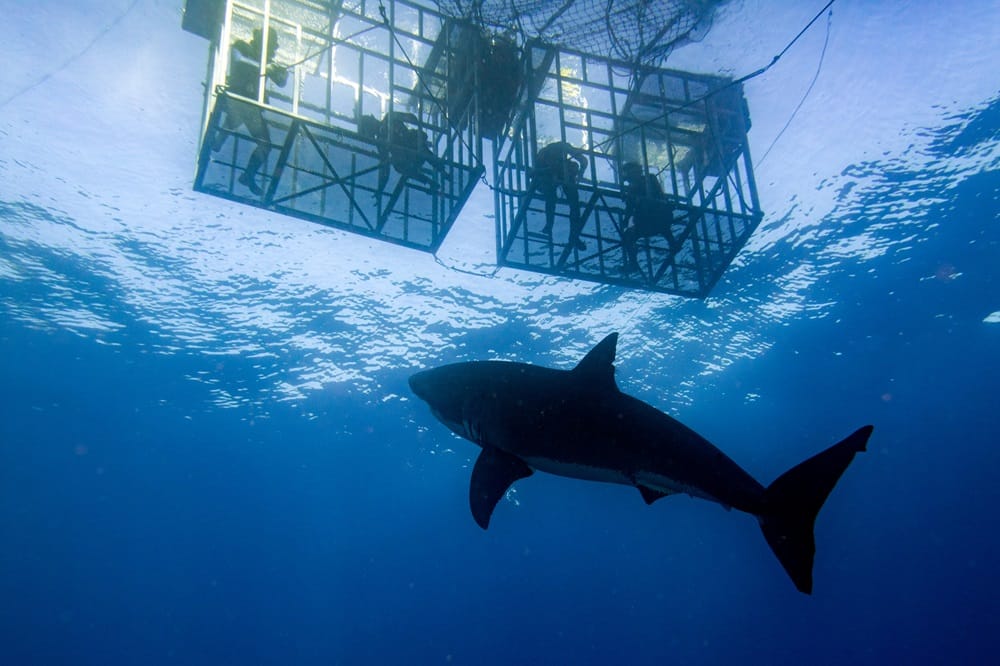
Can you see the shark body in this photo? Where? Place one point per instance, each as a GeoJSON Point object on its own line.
{"type": "Point", "coordinates": [577, 423]}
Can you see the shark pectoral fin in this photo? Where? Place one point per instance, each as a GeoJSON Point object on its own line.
{"type": "Point", "coordinates": [493, 474]}
{"type": "Point", "coordinates": [649, 495]}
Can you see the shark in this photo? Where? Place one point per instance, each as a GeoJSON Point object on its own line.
{"type": "Point", "coordinates": [577, 423]}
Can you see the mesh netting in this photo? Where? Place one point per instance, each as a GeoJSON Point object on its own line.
{"type": "Point", "coordinates": [633, 30]}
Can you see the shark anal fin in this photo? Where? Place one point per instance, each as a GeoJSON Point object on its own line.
{"type": "Point", "coordinates": [493, 474]}
{"type": "Point", "coordinates": [649, 495]}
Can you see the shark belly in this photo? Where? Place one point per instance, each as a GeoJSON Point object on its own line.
{"type": "Point", "coordinates": [575, 470]}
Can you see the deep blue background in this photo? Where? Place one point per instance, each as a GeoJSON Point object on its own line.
{"type": "Point", "coordinates": [141, 525]}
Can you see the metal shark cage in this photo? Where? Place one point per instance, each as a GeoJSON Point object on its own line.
{"type": "Point", "coordinates": [370, 116]}
{"type": "Point", "coordinates": [370, 129]}
{"type": "Point", "coordinates": [688, 131]}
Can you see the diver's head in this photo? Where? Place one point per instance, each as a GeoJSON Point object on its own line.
{"type": "Point", "coordinates": [272, 41]}
{"type": "Point", "coordinates": [632, 171]}
{"type": "Point", "coordinates": [369, 126]}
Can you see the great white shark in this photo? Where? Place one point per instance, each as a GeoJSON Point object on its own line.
{"type": "Point", "coordinates": [577, 423]}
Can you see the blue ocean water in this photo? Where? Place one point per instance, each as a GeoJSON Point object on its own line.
{"type": "Point", "coordinates": [209, 453]}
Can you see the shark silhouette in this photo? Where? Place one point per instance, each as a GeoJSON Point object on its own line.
{"type": "Point", "coordinates": [576, 423]}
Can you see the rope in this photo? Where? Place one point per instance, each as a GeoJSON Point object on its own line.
{"type": "Point", "coordinates": [822, 55]}
{"type": "Point", "coordinates": [489, 275]}
{"type": "Point", "coordinates": [741, 80]}
{"type": "Point", "coordinates": [73, 58]}
{"type": "Point", "coordinates": [802, 32]}
{"type": "Point", "coordinates": [333, 43]}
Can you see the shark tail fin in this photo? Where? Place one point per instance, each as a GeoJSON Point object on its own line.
{"type": "Point", "coordinates": [793, 500]}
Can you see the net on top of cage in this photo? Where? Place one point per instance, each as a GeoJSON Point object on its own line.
{"type": "Point", "coordinates": [637, 31]}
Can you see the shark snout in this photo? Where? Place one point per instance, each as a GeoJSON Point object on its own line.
{"type": "Point", "coordinates": [419, 385]}
{"type": "Point", "coordinates": [444, 392]}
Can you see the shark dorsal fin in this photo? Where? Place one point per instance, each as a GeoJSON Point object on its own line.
{"type": "Point", "coordinates": [598, 366]}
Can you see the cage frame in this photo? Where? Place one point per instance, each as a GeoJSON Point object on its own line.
{"type": "Point", "coordinates": [689, 128]}
{"type": "Point", "coordinates": [367, 58]}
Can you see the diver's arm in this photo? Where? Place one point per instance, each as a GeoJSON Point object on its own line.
{"type": "Point", "coordinates": [405, 117]}
{"type": "Point", "coordinates": [278, 74]}
{"type": "Point", "coordinates": [244, 50]}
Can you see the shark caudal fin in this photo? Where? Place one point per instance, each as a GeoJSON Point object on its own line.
{"type": "Point", "coordinates": [793, 500]}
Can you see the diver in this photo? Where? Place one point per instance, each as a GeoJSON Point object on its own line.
{"type": "Point", "coordinates": [489, 65]}
{"type": "Point", "coordinates": [405, 148]}
{"type": "Point", "coordinates": [558, 166]}
{"type": "Point", "coordinates": [648, 212]}
{"type": "Point", "coordinates": [244, 79]}
{"type": "Point", "coordinates": [500, 65]}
